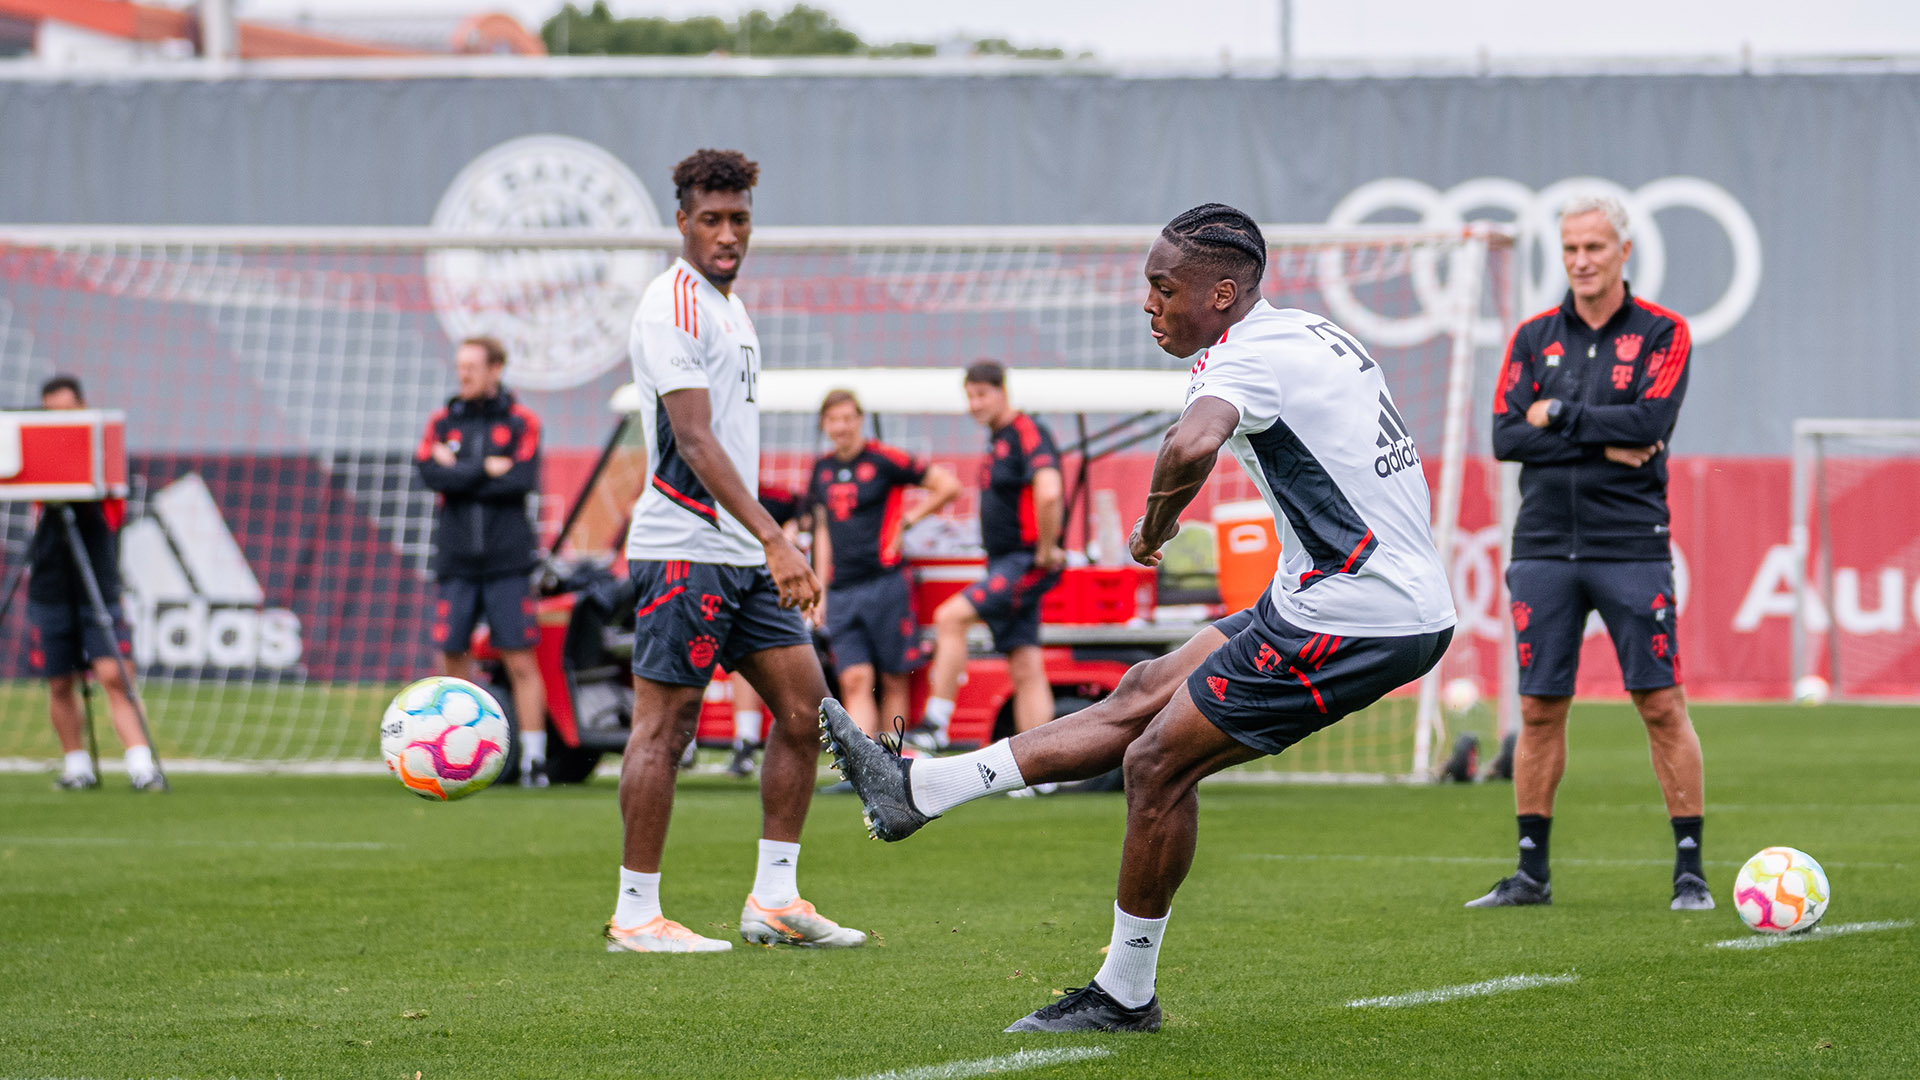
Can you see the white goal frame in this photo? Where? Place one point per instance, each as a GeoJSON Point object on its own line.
{"type": "Point", "coordinates": [1808, 454]}
{"type": "Point", "coordinates": [1464, 296]}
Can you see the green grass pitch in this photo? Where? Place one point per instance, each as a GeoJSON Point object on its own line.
{"type": "Point", "coordinates": [338, 927]}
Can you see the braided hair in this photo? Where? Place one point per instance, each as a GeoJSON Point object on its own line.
{"type": "Point", "coordinates": [1223, 239]}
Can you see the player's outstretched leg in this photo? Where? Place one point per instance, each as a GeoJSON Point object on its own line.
{"type": "Point", "coordinates": [789, 679]}
{"type": "Point", "coordinates": [907, 794]}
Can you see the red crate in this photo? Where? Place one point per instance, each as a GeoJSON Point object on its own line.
{"type": "Point", "coordinates": [1099, 594]}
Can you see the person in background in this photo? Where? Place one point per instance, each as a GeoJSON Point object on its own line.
{"type": "Point", "coordinates": [481, 452]}
{"type": "Point", "coordinates": [65, 642]}
{"type": "Point", "coordinates": [1020, 523]}
{"type": "Point", "coordinates": [858, 494]}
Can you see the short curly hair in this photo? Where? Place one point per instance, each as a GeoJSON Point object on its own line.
{"type": "Point", "coordinates": [713, 170]}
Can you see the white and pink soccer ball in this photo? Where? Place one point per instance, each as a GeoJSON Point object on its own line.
{"type": "Point", "coordinates": [1781, 891]}
{"type": "Point", "coordinates": [444, 738]}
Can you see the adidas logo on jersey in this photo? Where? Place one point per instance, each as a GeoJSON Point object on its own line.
{"type": "Point", "coordinates": [1396, 440]}
{"type": "Point", "coordinates": [191, 597]}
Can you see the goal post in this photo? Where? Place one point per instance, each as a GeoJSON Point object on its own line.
{"type": "Point", "coordinates": [1850, 546]}
{"type": "Point", "coordinates": [277, 379]}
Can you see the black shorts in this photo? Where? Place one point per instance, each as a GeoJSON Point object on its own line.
{"type": "Point", "coordinates": [1273, 684]}
{"type": "Point", "coordinates": [1008, 599]}
{"type": "Point", "coordinates": [506, 601]}
{"type": "Point", "coordinates": [63, 638]}
{"type": "Point", "coordinates": [1551, 599]}
{"type": "Point", "coordinates": [691, 615]}
{"type": "Point", "coordinates": [872, 622]}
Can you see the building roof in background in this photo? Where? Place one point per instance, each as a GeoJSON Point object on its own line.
{"type": "Point", "coordinates": [483, 33]}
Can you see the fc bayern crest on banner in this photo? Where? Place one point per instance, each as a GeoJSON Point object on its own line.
{"type": "Point", "coordinates": [563, 315]}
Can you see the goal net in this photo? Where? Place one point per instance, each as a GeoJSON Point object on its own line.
{"type": "Point", "coordinates": [1856, 620]}
{"type": "Point", "coordinates": [277, 381]}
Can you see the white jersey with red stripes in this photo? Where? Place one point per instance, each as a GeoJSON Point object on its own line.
{"type": "Point", "coordinates": [688, 335]}
{"type": "Point", "coordinates": [1323, 443]}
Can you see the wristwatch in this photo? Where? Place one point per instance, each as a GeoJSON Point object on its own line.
{"type": "Point", "coordinates": [1554, 408]}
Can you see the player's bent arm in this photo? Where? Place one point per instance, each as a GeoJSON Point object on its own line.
{"type": "Point", "coordinates": [462, 476]}
{"type": "Point", "coordinates": [1186, 459]}
{"type": "Point", "coordinates": [1645, 421]}
{"type": "Point", "coordinates": [1516, 440]}
{"type": "Point", "coordinates": [690, 412]}
{"type": "Point", "coordinates": [942, 487]}
{"type": "Point", "coordinates": [1046, 512]}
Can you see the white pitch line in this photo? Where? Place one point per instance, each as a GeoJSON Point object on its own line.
{"type": "Point", "coordinates": [1019, 1061]}
{"type": "Point", "coordinates": [1507, 860]}
{"type": "Point", "coordinates": [301, 845]}
{"type": "Point", "coordinates": [1818, 933]}
{"type": "Point", "coordinates": [1449, 993]}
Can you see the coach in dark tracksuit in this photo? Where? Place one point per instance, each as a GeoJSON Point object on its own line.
{"type": "Point", "coordinates": [1588, 397]}
{"type": "Point", "coordinates": [482, 454]}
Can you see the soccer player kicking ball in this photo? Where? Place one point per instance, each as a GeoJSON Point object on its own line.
{"type": "Point", "coordinates": [717, 579]}
{"type": "Point", "coordinates": [1359, 607]}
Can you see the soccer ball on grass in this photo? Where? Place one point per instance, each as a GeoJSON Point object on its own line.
{"type": "Point", "coordinates": [444, 738]}
{"type": "Point", "coordinates": [1781, 891]}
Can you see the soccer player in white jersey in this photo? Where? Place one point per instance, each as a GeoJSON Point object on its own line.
{"type": "Point", "coordinates": [1360, 604]}
{"type": "Point", "coordinates": [717, 579]}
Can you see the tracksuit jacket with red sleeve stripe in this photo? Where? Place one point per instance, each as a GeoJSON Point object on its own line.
{"type": "Point", "coordinates": [481, 528]}
{"type": "Point", "coordinates": [1620, 385]}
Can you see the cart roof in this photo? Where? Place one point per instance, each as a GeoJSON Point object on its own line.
{"type": "Point", "coordinates": [938, 390]}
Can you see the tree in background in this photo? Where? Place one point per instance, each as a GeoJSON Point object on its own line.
{"type": "Point", "coordinates": [801, 31]}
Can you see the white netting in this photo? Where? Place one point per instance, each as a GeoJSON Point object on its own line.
{"type": "Point", "coordinates": [1858, 626]}
{"type": "Point", "coordinates": [276, 384]}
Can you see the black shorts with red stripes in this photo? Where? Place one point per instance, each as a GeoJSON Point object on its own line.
{"type": "Point", "coordinates": [692, 615]}
{"type": "Point", "coordinates": [1008, 599]}
{"type": "Point", "coordinates": [1273, 684]}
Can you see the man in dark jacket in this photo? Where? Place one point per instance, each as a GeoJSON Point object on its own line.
{"type": "Point", "coordinates": [1588, 397]}
{"type": "Point", "coordinates": [66, 642]}
{"type": "Point", "coordinates": [482, 454]}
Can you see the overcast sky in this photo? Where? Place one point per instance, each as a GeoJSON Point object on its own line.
{"type": "Point", "coordinates": [1168, 30]}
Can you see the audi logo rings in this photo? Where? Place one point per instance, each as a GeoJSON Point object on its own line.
{"type": "Point", "coordinates": [1543, 279]}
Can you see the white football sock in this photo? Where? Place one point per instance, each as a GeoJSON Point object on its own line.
{"type": "Point", "coordinates": [1133, 958]}
{"type": "Point", "coordinates": [940, 784]}
{"type": "Point", "coordinates": [639, 901]}
{"type": "Point", "coordinates": [533, 746]}
{"type": "Point", "coordinates": [139, 761]}
{"type": "Point", "coordinates": [77, 763]}
{"type": "Point", "coordinates": [938, 712]}
{"type": "Point", "coordinates": [774, 881]}
{"type": "Point", "coordinates": [746, 726]}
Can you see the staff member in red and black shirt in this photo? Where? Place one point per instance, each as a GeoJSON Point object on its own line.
{"type": "Point", "coordinates": [66, 643]}
{"type": "Point", "coordinates": [482, 454]}
{"type": "Point", "coordinates": [858, 493]}
{"type": "Point", "coordinates": [1589, 395]}
{"type": "Point", "coordinates": [1020, 516]}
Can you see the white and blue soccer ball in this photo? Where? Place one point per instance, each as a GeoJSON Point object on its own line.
{"type": "Point", "coordinates": [444, 738]}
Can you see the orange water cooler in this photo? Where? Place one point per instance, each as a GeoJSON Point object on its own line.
{"type": "Point", "coordinates": [1248, 551]}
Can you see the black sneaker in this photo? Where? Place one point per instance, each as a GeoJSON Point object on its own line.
{"type": "Point", "coordinates": [878, 776]}
{"type": "Point", "coordinates": [533, 774]}
{"type": "Point", "coordinates": [1516, 891]}
{"type": "Point", "coordinates": [741, 764]}
{"type": "Point", "coordinates": [925, 738]}
{"type": "Point", "coordinates": [1691, 894]}
{"type": "Point", "coordinates": [83, 782]}
{"type": "Point", "coordinates": [1089, 1008]}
